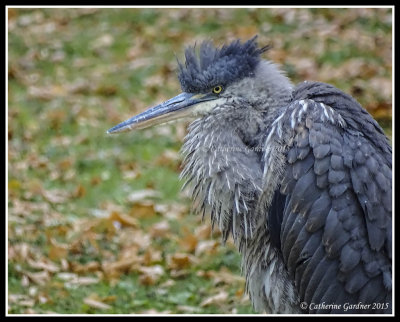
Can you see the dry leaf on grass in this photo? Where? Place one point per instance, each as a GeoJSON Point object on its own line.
{"type": "Point", "coordinates": [178, 261]}
{"type": "Point", "coordinates": [169, 158]}
{"type": "Point", "coordinates": [96, 304]}
{"type": "Point", "coordinates": [105, 40]}
{"type": "Point", "coordinates": [155, 312]}
{"type": "Point", "coordinates": [160, 229]}
{"type": "Point", "coordinates": [55, 196]}
{"type": "Point", "coordinates": [188, 309]}
{"type": "Point", "coordinates": [17, 298]}
{"type": "Point", "coordinates": [189, 242]}
{"type": "Point", "coordinates": [130, 175]}
{"type": "Point", "coordinates": [72, 280]}
{"type": "Point", "coordinates": [57, 251]}
{"type": "Point", "coordinates": [228, 277]}
{"type": "Point", "coordinates": [152, 256]}
{"type": "Point", "coordinates": [168, 283]}
{"type": "Point", "coordinates": [223, 276]}
{"type": "Point", "coordinates": [27, 303]}
{"type": "Point", "coordinates": [84, 280]}
{"type": "Point", "coordinates": [121, 266]}
{"type": "Point", "coordinates": [143, 209]}
{"type": "Point", "coordinates": [19, 251]}
{"type": "Point", "coordinates": [124, 219]}
{"type": "Point", "coordinates": [171, 211]}
{"type": "Point", "coordinates": [141, 195]}
{"type": "Point", "coordinates": [150, 275]}
{"type": "Point", "coordinates": [44, 264]}
{"type": "Point", "coordinates": [85, 268]}
{"type": "Point", "coordinates": [39, 278]}
{"type": "Point", "coordinates": [206, 246]}
{"type": "Point", "coordinates": [203, 232]}
{"type": "Point", "coordinates": [216, 299]}
{"type": "Point", "coordinates": [80, 191]}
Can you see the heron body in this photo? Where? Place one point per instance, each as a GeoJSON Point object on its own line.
{"type": "Point", "coordinates": [300, 176]}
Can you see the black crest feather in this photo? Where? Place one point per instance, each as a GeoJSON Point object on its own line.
{"type": "Point", "coordinates": [213, 66]}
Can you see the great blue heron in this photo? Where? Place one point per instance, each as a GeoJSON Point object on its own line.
{"type": "Point", "coordinates": [299, 175]}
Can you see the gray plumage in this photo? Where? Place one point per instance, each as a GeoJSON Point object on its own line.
{"type": "Point", "coordinates": [300, 176]}
{"type": "Point", "coordinates": [218, 66]}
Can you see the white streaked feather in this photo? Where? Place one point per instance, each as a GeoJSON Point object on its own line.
{"type": "Point", "coordinates": [293, 119]}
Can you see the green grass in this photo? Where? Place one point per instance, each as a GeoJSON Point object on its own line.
{"type": "Point", "coordinates": [73, 74]}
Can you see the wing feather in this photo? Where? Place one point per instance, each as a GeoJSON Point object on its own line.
{"type": "Point", "coordinates": [336, 232]}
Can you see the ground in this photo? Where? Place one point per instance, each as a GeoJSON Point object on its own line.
{"type": "Point", "coordinates": [97, 223]}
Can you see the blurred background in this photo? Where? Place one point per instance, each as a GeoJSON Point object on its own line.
{"type": "Point", "coordinates": [97, 223]}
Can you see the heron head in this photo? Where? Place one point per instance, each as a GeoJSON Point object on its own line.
{"type": "Point", "coordinates": [207, 80]}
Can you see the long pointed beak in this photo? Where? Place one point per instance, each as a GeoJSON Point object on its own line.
{"type": "Point", "coordinates": [172, 109]}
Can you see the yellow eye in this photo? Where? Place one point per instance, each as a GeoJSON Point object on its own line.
{"type": "Point", "coordinates": [217, 89]}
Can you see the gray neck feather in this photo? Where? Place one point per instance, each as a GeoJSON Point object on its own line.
{"type": "Point", "coordinates": [224, 165]}
{"type": "Point", "coordinates": [224, 150]}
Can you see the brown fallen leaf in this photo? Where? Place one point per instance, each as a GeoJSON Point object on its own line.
{"type": "Point", "coordinates": [39, 278]}
{"type": "Point", "coordinates": [189, 242]}
{"type": "Point", "coordinates": [155, 312]}
{"type": "Point", "coordinates": [240, 292]}
{"type": "Point", "coordinates": [130, 175]}
{"type": "Point", "coordinates": [216, 299]}
{"type": "Point", "coordinates": [188, 309]}
{"type": "Point", "coordinates": [34, 186]}
{"type": "Point", "coordinates": [141, 195]}
{"type": "Point", "coordinates": [179, 273]}
{"type": "Point", "coordinates": [14, 186]}
{"type": "Point", "coordinates": [178, 261]}
{"type": "Point", "coordinates": [124, 219]}
{"type": "Point", "coordinates": [25, 281]}
{"type": "Point", "coordinates": [84, 280]}
{"type": "Point", "coordinates": [105, 40]}
{"type": "Point", "coordinates": [110, 298]}
{"type": "Point", "coordinates": [96, 304]}
{"type": "Point", "coordinates": [169, 158]}
{"type": "Point", "coordinates": [47, 93]}
{"type": "Point", "coordinates": [143, 209]}
{"type": "Point", "coordinates": [172, 211]}
{"type": "Point", "coordinates": [57, 251]}
{"type": "Point", "coordinates": [203, 231]}
{"type": "Point", "coordinates": [55, 196]}
{"type": "Point", "coordinates": [73, 280]}
{"type": "Point", "coordinates": [80, 191]}
{"type": "Point", "coordinates": [28, 303]}
{"type": "Point", "coordinates": [66, 276]}
{"type": "Point", "coordinates": [44, 264]}
{"type": "Point", "coordinates": [160, 229]}
{"type": "Point", "coordinates": [150, 275]}
{"type": "Point", "coordinates": [15, 298]}
{"type": "Point", "coordinates": [135, 238]}
{"type": "Point", "coordinates": [95, 181]}
{"type": "Point", "coordinates": [124, 265]}
{"type": "Point", "coordinates": [20, 251]}
{"type": "Point", "coordinates": [84, 268]}
{"type": "Point", "coordinates": [223, 276]}
{"type": "Point", "coordinates": [168, 283]}
{"type": "Point", "coordinates": [206, 246]}
{"type": "Point", "coordinates": [246, 31]}
{"type": "Point", "coordinates": [152, 256]}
